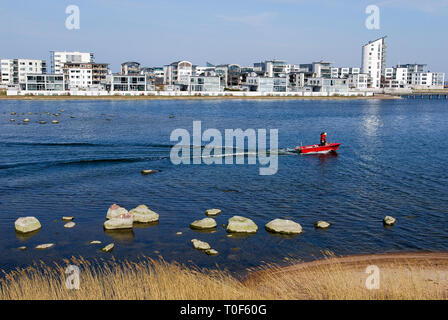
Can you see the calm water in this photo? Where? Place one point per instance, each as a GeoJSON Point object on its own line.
{"type": "Point", "coordinates": [392, 162]}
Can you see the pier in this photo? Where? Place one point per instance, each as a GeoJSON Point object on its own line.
{"type": "Point", "coordinates": [424, 95]}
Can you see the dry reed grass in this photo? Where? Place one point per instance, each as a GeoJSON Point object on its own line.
{"type": "Point", "coordinates": [331, 278]}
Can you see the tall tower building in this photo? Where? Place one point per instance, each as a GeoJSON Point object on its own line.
{"type": "Point", "coordinates": [374, 61]}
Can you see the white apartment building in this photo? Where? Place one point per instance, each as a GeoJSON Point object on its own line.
{"type": "Point", "coordinates": [417, 78]}
{"type": "Point", "coordinates": [427, 80]}
{"type": "Point", "coordinates": [85, 75]}
{"type": "Point", "coordinates": [14, 71]}
{"type": "Point", "coordinates": [344, 73]}
{"type": "Point", "coordinates": [178, 72]}
{"type": "Point", "coordinates": [59, 58]}
{"type": "Point", "coordinates": [396, 78]}
{"type": "Point", "coordinates": [358, 81]}
{"type": "Point", "coordinates": [374, 61]}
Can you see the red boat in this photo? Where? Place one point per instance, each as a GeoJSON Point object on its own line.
{"type": "Point", "coordinates": [316, 148]}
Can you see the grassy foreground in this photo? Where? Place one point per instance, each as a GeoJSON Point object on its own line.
{"type": "Point", "coordinates": [421, 277]}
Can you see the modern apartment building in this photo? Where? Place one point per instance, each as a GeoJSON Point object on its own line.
{"type": "Point", "coordinates": [413, 76]}
{"type": "Point", "coordinates": [344, 73]}
{"type": "Point", "coordinates": [358, 81]}
{"type": "Point", "coordinates": [374, 61]}
{"type": "Point", "coordinates": [427, 80]}
{"type": "Point", "coordinates": [178, 72]}
{"type": "Point", "coordinates": [395, 78]}
{"type": "Point", "coordinates": [131, 67]}
{"type": "Point", "coordinates": [14, 71]}
{"type": "Point", "coordinates": [44, 82]}
{"type": "Point", "coordinates": [327, 85]}
{"type": "Point", "coordinates": [59, 58]}
{"type": "Point", "coordinates": [85, 75]}
{"type": "Point", "coordinates": [265, 84]}
{"type": "Point", "coordinates": [272, 68]}
{"type": "Point", "coordinates": [204, 84]}
{"type": "Point", "coordinates": [121, 82]}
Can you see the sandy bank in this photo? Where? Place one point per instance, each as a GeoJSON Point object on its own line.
{"type": "Point", "coordinates": [401, 276]}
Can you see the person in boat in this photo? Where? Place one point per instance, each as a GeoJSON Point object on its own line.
{"type": "Point", "coordinates": [323, 139]}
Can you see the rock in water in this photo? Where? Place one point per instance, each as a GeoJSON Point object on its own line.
{"type": "Point", "coordinates": [44, 246]}
{"type": "Point", "coordinates": [145, 172]}
{"type": "Point", "coordinates": [389, 221]}
{"type": "Point", "coordinates": [115, 210]}
{"type": "Point", "coordinates": [241, 224]}
{"type": "Point", "coordinates": [23, 248]}
{"type": "Point", "coordinates": [206, 223]}
{"type": "Point", "coordinates": [27, 224]}
{"type": "Point", "coordinates": [95, 242]}
{"type": "Point", "coordinates": [123, 221]}
{"type": "Point", "coordinates": [200, 245]}
{"type": "Point", "coordinates": [143, 215]}
{"type": "Point", "coordinates": [211, 252]}
{"type": "Point", "coordinates": [26, 120]}
{"type": "Point", "coordinates": [322, 224]}
{"type": "Point", "coordinates": [67, 218]}
{"type": "Point", "coordinates": [55, 122]}
{"type": "Point", "coordinates": [283, 226]}
{"type": "Point", "coordinates": [12, 120]}
{"type": "Point", "coordinates": [212, 212]}
{"type": "Point", "coordinates": [42, 122]}
{"type": "Point", "coordinates": [179, 233]}
{"type": "Point", "coordinates": [108, 248]}
{"type": "Point", "coordinates": [69, 225]}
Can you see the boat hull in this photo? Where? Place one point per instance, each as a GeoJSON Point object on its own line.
{"type": "Point", "coordinates": [318, 149]}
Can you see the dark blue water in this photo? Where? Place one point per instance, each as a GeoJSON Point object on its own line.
{"type": "Point", "coordinates": [392, 161]}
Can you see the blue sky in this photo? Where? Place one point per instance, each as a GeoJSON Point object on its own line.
{"type": "Point", "coordinates": [245, 31]}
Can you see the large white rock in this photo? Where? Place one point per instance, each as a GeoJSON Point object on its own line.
{"type": "Point", "coordinates": [389, 221]}
{"type": "Point", "coordinates": [200, 245]}
{"type": "Point", "coordinates": [241, 224]}
{"type": "Point", "coordinates": [150, 171]}
{"type": "Point", "coordinates": [27, 224]}
{"type": "Point", "coordinates": [283, 226]}
{"type": "Point", "coordinates": [124, 221]}
{"type": "Point", "coordinates": [212, 212]}
{"type": "Point", "coordinates": [44, 246]}
{"type": "Point", "coordinates": [108, 248]}
{"type": "Point", "coordinates": [69, 224]}
{"type": "Point", "coordinates": [143, 215]}
{"type": "Point", "coordinates": [322, 224]}
{"type": "Point", "coordinates": [115, 210]}
{"type": "Point", "coordinates": [211, 252]}
{"type": "Point", "coordinates": [206, 223]}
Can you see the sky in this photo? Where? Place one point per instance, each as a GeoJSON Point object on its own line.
{"type": "Point", "coordinates": [156, 33]}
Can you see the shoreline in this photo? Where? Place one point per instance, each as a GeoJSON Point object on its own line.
{"type": "Point", "coordinates": [131, 98]}
{"type": "Point", "coordinates": [437, 258]}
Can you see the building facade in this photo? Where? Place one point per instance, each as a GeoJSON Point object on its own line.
{"type": "Point", "coordinates": [374, 61]}
{"type": "Point", "coordinates": [44, 82]}
{"type": "Point", "coordinates": [178, 72]}
{"type": "Point", "coordinates": [59, 58]}
{"type": "Point", "coordinates": [14, 71]}
{"type": "Point", "coordinates": [85, 75]}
